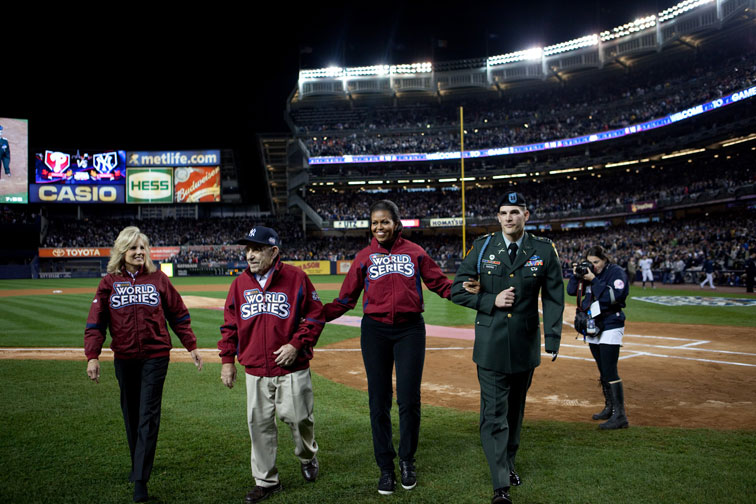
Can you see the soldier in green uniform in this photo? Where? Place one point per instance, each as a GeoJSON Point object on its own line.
{"type": "Point", "coordinates": [509, 269]}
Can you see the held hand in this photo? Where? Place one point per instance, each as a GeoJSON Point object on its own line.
{"type": "Point", "coordinates": [196, 358]}
{"type": "Point", "coordinates": [472, 285]}
{"type": "Point", "coordinates": [287, 354]}
{"type": "Point", "coordinates": [505, 298]}
{"type": "Point", "coordinates": [93, 370]}
{"type": "Point", "coordinates": [589, 276]}
{"type": "Point", "coordinates": [228, 374]}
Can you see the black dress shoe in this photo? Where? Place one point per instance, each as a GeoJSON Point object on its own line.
{"type": "Point", "coordinates": [514, 478]}
{"type": "Point", "coordinates": [260, 493]}
{"type": "Point", "coordinates": [387, 482]}
{"type": "Point", "coordinates": [501, 496]}
{"type": "Point", "coordinates": [310, 469]}
{"type": "Point", "coordinates": [409, 474]}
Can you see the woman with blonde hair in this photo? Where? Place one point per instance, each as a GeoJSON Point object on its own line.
{"type": "Point", "coordinates": [134, 301]}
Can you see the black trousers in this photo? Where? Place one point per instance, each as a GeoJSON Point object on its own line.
{"type": "Point", "coordinates": [606, 357]}
{"type": "Point", "coordinates": [141, 383]}
{"type": "Point", "coordinates": [502, 407]}
{"type": "Point", "coordinates": [384, 345]}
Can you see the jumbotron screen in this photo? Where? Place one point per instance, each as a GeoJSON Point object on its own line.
{"type": "Point", "coordinates": [14, 160]}
{"type": "Point", "coordinates": [56, 167]}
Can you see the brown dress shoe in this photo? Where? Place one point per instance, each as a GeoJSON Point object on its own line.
{"type": "Point", "coordinates": [261, 493]}
{"type": "Point", "coordinates": [310, 470]}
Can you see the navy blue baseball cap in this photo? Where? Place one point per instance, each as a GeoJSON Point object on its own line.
{"type": "Point", "coordinates": [512, 199]}
{"type": "Point", "coordinates": [261, 234]}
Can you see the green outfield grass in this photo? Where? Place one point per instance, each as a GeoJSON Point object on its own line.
{"type": "Point", "coordinates": [62, 440]}
{"type": "Point", "coordinates": [58, 320]}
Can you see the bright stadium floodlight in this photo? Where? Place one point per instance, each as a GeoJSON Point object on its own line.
{"type": "Point", "coordinates": [375, 70]}
{"type": "Point", "coordinates": [413, 68]}
{"type": "Point", "coordinates": [570, 45]}
{"type": "Point", "coordinates": [330, 72]}
{"type": "Point", "coordinates": [681, 8]}
{"type": "Point", "coordinates": [356, 182]}
{"type": "Point", "coordinates": [527, 54]}
{"type": "Point", "coordinates": [629, 28]}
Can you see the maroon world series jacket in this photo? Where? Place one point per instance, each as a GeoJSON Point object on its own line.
{"type": "Point", "coordinates": [391, 280]}
{"type": "Point", "coordinates": [258, 321]}
{"type": "Point", "coordinates": [136, 310]}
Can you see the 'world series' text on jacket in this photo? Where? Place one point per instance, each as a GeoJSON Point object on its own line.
{"type": "Point", "coordinates": [258, 321]}
{"type": "Point", "coordinates": [136, 310]}
{"type": "Point", "coordinates": [392, 281]}
{"type": "Point", "coordinates": [610, 288]}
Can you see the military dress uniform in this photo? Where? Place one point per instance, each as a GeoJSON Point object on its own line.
{"type": "Point", "coordinates": [508, 340]}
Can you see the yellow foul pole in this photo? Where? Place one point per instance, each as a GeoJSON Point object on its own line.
{"type": "Point", "coordinates": [462, 179]}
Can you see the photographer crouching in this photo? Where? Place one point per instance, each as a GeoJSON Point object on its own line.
{"type": "Point", "coordinates": [599, 318]}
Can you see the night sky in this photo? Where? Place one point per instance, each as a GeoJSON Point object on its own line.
{"type": "Point", "coordinates": [215, 78]}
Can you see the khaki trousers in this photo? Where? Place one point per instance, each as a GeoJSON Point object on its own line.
{"type": "Point", "coordinates": [289, 397]}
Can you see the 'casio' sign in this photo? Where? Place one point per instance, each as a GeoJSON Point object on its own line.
{"type": "Point", "coordinates": [150, 185]}
{"type": "Point", "coordinates": [77, 194]}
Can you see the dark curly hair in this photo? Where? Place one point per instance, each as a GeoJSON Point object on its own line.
{"type": "Point", "coordinates": [390, 207]}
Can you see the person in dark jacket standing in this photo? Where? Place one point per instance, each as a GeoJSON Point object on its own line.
{"type": "Point", "coordinates": [605, 289]}
{"type": "Point", "coordinates": [390, 271]}
{"type": "Point", "coordinates": [272, 320]}
{"type": "Point", "coordinates": [134, 300]}
{"type": "Point", "coordinates": [750, 271]}
{"type": "Point", "coordinates": [5, 154]}
{"type": "Point", "coordinates": [509, 268]}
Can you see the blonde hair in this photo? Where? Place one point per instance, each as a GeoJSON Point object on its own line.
{"type": "Point", "coordinates": [125, 240]}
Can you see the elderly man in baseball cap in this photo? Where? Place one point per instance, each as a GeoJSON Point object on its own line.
{"type": "Point", "coordinates": [272, 320]}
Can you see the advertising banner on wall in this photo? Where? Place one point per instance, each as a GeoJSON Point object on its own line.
{"type": "Point", "coordinates": [146, 159]}
{"type": "Point", "coordinates": [65, 193]}
{"type": "Point", "coordinates": [342, 267]}
{"type": "Point", "coordinates": [642, 206]}
{"type": "Point", "coordinates": [77, 253]}
{"type": "Point", "coordinates": [313, 267]}
{"type": "Point", "coordinates": [447, 222]}
{"type": "Point", "coordinates": [197, 184]}
{"type": "Point", "coordinates": [14, 160]}
{"type": "Point", "coordinates": [352, 224]}
{"type": "Point", "coordinates": [149, 185]}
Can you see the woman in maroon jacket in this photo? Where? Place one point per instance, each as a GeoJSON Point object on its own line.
{"type": "Point", "coordinates": [134, 300]}
{"type": "Point", "coordinates": [390, 271]}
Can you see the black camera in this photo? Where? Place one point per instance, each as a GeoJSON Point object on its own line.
{"type": "Point", "coordinates": [583, 267]}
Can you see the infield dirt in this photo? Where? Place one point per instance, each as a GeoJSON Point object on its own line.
{"type": "Point", "coordinates": [674, 374]}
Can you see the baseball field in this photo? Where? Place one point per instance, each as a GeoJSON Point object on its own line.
{"type": "Point", "coordinates": [688, 364]}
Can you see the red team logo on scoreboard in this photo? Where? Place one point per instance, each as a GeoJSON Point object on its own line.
{"type": "Point", "coordinates": [58, 163]}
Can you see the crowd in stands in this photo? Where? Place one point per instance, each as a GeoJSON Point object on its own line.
{"type": "Point", "coordinates": [615, 191]}
{"type": "Point", "coordinates": [536, 117]}
{"type": "Point", "coordinates": [677, 247]}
